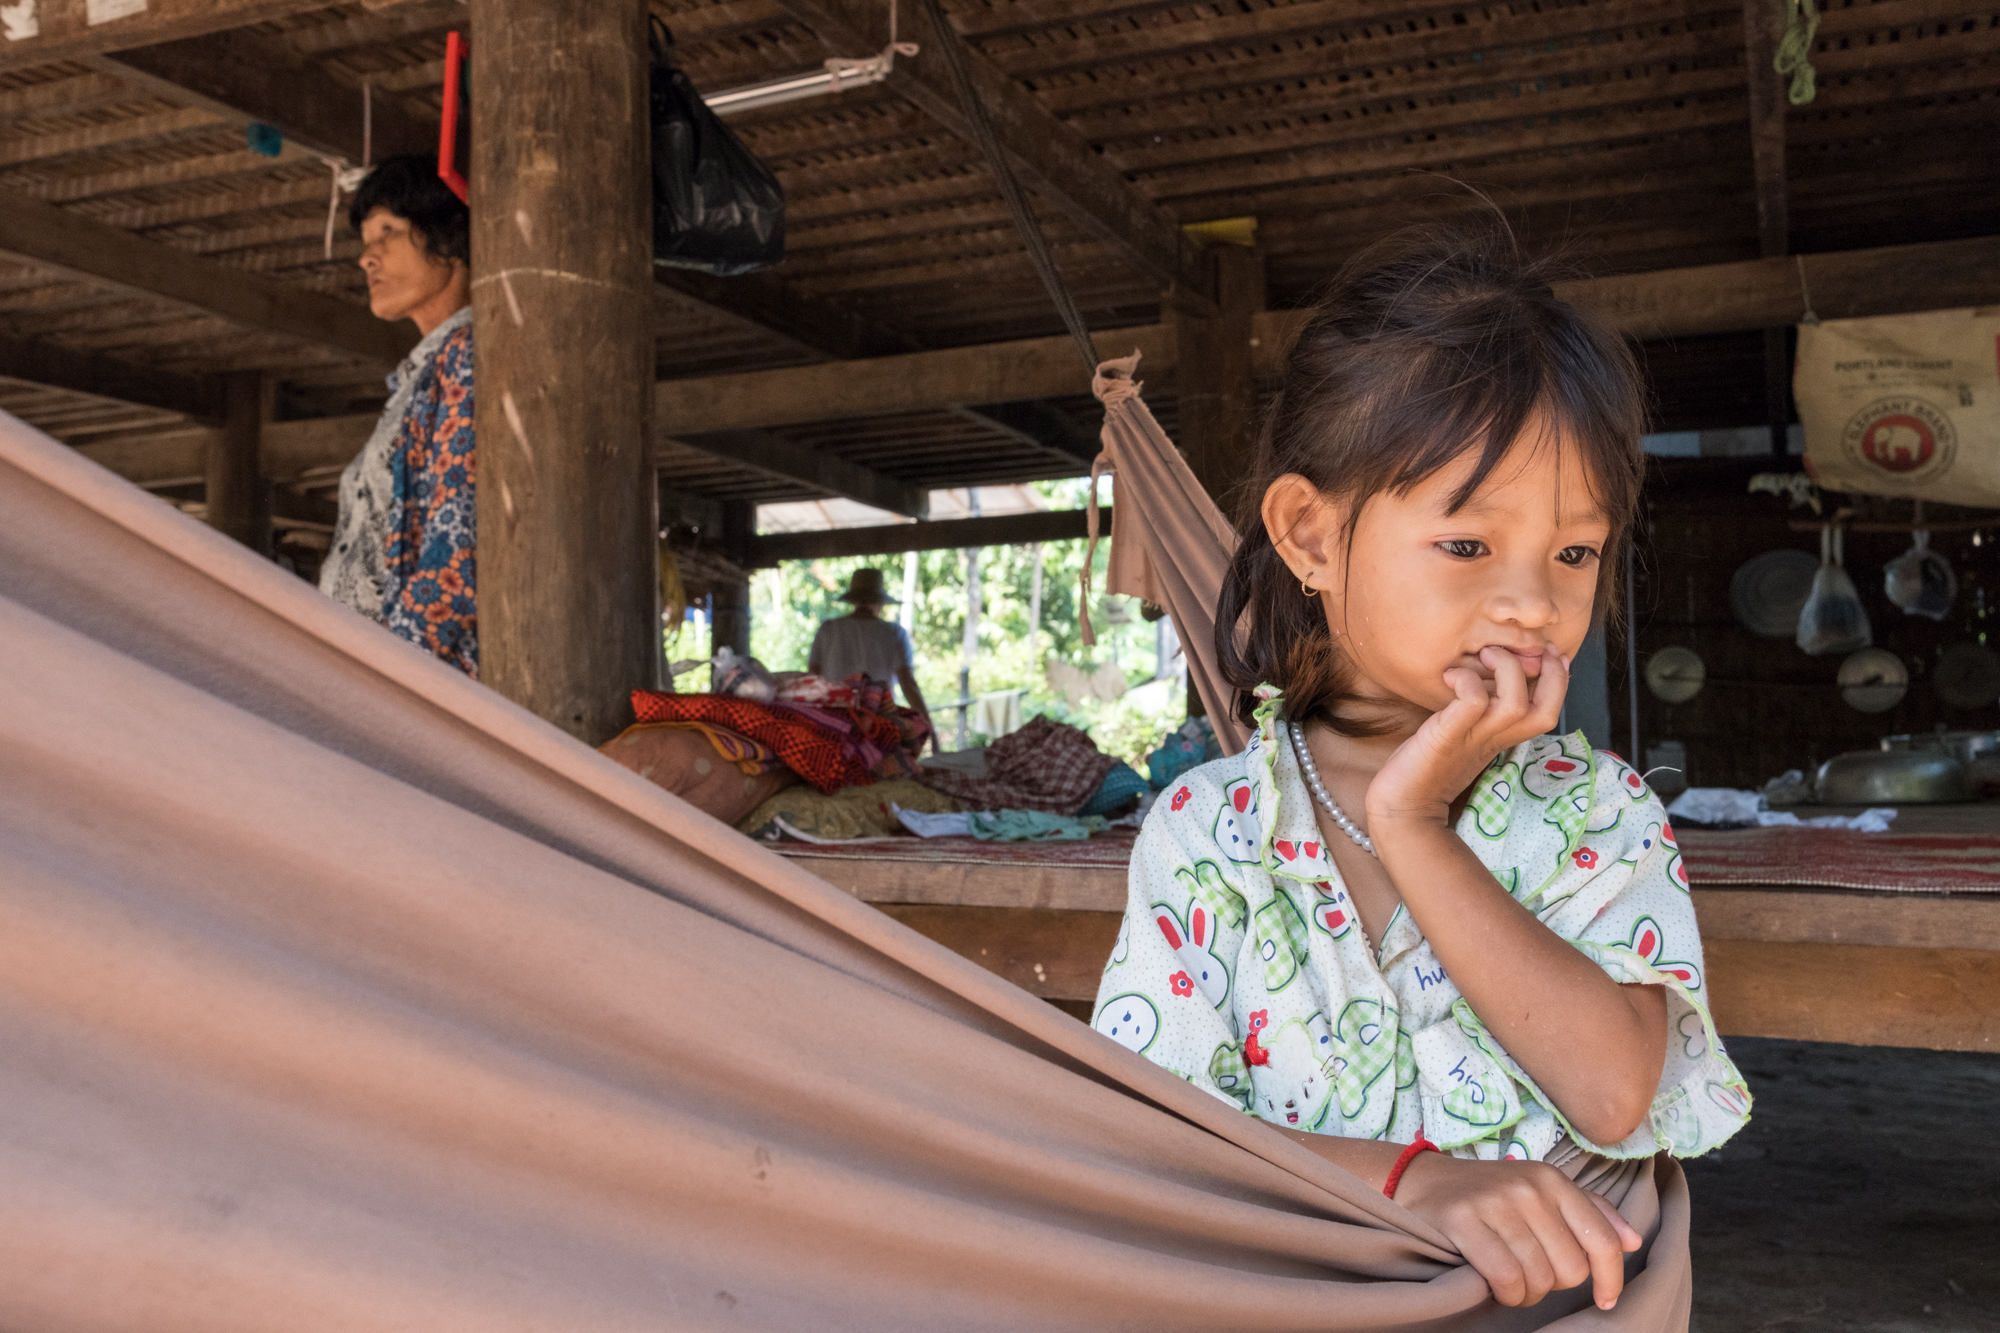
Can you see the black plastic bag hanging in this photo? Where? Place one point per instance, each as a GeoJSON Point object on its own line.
{"type": "Point", "coordinates": [716, 207]}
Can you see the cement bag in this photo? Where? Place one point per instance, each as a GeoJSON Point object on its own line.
{"type": "Point", "coordinates": [1904, 405]}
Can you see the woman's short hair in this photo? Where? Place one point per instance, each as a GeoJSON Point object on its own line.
{"type": "Point", "coordinates": [408, 186]}
{"type": "Point", "coordinates": [1430, 344]}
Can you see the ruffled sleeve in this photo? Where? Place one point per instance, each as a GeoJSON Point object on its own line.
{"type": "Point", "coordinates": [1620, 894]}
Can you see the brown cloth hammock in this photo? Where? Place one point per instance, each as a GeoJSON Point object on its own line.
{"type": "Point", "coordinates": [1171, 544]}
{"type": "Point", "coordinates": [338, 993]}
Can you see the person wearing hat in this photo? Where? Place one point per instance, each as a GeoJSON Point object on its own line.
{"type": "Point", "coordinates": [864, 643]}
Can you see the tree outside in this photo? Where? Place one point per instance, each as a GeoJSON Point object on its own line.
{"type": "Point", "coordinates": [788, 603]}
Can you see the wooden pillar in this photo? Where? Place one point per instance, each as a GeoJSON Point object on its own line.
{"type": "Point", "coordinates": [1217, 388]}
{"type": "Point", "coordinates": [563, 326]}
{"type": "Point", "coordinates": [238, 497]}
{"type": "Point", "coordinates": [1763, 30]}
{"type": "Point", "coordinates": [732, 599]}
{"type": "Point", "coordinates": [1217, 393]}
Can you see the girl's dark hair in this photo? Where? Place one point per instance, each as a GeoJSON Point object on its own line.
{"type": "Point", "coordinates": [1432, 343]}
{"type": "Point", "coordinates": [408, 186]}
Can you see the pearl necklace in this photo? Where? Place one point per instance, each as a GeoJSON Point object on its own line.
{"type": "Point", "coordinates": [1347, 826]}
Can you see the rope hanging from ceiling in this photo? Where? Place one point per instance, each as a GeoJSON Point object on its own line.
{"type": "Point", "coordinates": [1794, 58]}
{"type": "Point", "coordinates": [952, 45]}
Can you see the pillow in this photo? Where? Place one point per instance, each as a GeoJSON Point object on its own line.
{"type": "Point", "coordinates": [686, 763]}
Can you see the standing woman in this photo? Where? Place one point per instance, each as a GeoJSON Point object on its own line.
{"type": "Point", "coordinates": [404, 548]}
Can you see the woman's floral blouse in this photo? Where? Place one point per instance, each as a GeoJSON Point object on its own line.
{"type": "Point", "coordinates": [405, 549]}
{"type": "Point", "coordinates": [1241, 966]}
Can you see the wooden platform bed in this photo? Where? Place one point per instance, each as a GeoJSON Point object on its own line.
{"type": "Point", "coordinates": [1870, 939]}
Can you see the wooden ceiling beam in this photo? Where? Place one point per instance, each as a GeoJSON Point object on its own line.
{"type": "Point", "coordinates": [810, 209]}
{"type": "Point", "coordinates": [246, 76]}
{"type": "Point", "coordinates": [1458, 151]}
{"type": "Point", "coordinates": [1528, 43]}
{"type": "Point", "coordinates": [376, 24]}
{"type": "Point", "coordinates": [854, 122]}
{"type": "Point", "coordinates": [765, 302]}
{"type": "Point", "coordinates": [1445, 126]}
{"type": "Point", "coordinates": [43, 234]}
{"type": "Point", "coordinates": [761, 451]}
{"type": "Point", "coordinates": [56, 367]}
{"type": "Point", "coordinates": [1500, 44]}
{"type": "Point", "coordinates": [17, 149]}
{"type": "Point", "coordinates": [210, 205]}
{"type": "Point", "coordinates": [1502, 173]}
{"type": "Point", "coordinates": [1054, 161]}
{"type": "Point", "coordinates": [1078, 259]}
{"type": "Point", "coordinates": [65, 32]}
{"type": "Point", "coordinates": [99, 182]}
{"type": "Point", "coordinates": [62, 97]}
{"type": "Point", "coordinates": [1313, 92]}
{"type": "Point", "coordinates": [946, 535]}
{"type": "Point", "coordinates": [1348, 40]}
{"type": "Point", "coordinates": [1753, 294]}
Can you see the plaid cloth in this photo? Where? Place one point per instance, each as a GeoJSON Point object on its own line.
{"type": "Point", "coordinates": [829, 747]}
{"type": "Point", "coordinates": [1047, 766]}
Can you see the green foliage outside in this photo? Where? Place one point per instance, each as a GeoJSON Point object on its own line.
{"type": "Point", "coordinates": [788, 603]}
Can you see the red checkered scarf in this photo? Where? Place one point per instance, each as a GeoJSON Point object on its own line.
{"type": "Point", "coordinates": [829, 747]}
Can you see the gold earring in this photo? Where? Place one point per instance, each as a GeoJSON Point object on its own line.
{"type": "Point", "coordinates": [1307, 588]}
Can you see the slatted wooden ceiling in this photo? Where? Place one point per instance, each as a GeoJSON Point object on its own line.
{"type": "Point", "coordinates": [1618, 125]}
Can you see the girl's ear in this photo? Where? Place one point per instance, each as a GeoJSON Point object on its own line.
{"type": "Point", "coordinates": [1305, 528]}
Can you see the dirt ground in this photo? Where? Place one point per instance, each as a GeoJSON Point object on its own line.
{"type": "Point", "coordinates": [1864, 1194]}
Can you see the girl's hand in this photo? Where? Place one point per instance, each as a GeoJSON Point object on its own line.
{"type": "Point", "coordinates": [1455, 744]}
{"type": "Point", "coordinates": [1523, 1226]}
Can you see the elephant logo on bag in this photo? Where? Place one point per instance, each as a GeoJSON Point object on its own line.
{"type": "Point", "coordinates": [1905, 438]}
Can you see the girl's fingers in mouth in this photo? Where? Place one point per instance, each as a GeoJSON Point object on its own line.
{"type": "Point", "coordinates": [1469, 686]}
{"type": "Point", "coordinates": [1553, 685]}
{"type": "Point", "coordinates": [1510, 682]}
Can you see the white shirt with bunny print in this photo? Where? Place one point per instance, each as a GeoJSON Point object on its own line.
{"type": "Point", "coordinates": [1242, 968]}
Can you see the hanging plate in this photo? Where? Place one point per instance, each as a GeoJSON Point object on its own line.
{"type": "Point", "coordinates": [1968, 676]}
{"type": "Point", "coordinates": [1874, 680]}
{"type": "Point", "coordinates": [1675, 674]}
{"type": "Point", "coordinates": [1768, 591]}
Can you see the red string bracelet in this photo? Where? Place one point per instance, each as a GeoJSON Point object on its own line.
{"type": "Point", "coordinates": [1403, 1163]}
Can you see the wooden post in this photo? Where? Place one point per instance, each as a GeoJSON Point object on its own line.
{"type": "Point", "coordinates": [732, 599]}
{"type": "Point", "coordinates": [239, 499]}
{"type": "Point", "coordinates": [1218, 387]}
{"type": "Point", "coordinates": [562, 303]}
{"type": "Point", "coordinates": [1215, 364]}
{"type": "Point", "coordinates": [1763, 30]}
{"type": "Point", "coordinates": [969, 644]}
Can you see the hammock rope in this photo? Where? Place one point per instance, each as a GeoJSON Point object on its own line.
{"type": "Point", "coordinates": [952, 44]}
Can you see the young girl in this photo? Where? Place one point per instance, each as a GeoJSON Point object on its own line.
{"type": "Point", "coordinates": [1407, 917]}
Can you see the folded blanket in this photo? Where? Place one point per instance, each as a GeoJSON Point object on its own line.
{"type": "Point", "coordinates": [1046, 765]}
{"type": "Point", "coordinates": [854, 812]}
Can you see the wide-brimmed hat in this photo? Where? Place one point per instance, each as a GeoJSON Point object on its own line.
{"type": "Point", "coordinates": [865, 589]}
